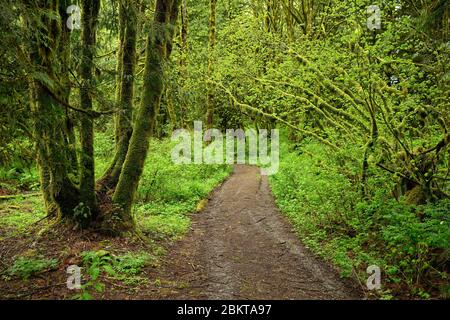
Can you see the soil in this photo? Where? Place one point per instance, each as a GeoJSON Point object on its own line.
{"type": "Point", "coordinates": [241, 247]}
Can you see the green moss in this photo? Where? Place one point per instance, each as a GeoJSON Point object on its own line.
{"type": "Point", "coordinates": [167, 226]}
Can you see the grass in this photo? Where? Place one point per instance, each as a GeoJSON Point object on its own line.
{"type": "Point", "coordinates": [409, 243]}
{"type": "Point", "coordinates": [102, 264]}
{"type": "Point", "coordinates": [26, 267]}
{"type": "Point", "coordinates": [169, 193]}
{"type": "Point", "coordinates": [18, 214]}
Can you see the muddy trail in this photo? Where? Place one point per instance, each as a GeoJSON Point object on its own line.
{"type": "Point", "coordinates": [241, 247]}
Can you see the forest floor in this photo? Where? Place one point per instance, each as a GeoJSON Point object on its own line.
{"type": "Point", "coordinates": [238, 247]}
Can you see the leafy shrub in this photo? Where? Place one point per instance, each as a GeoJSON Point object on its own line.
{"type": "Point", "coordinates": [18, 178]}
{"type": "Point", "coordinates": [26, 267]}
{"type": "Point", "coordinates": [131, 263]}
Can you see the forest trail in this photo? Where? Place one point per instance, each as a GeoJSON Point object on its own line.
{"type": "Point", "coordinates": [241, 247]}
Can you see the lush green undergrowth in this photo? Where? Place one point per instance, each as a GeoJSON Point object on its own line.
{"type": "Point", "coordinates": [18, 214]}
{"type": "Point", "coordinates": [167, 192]}
{"type": "Point", "coordinates": [409, 243]}
{"type": "Point", "coordinates": [167, 195]}
{"type": "Point", "coordinates": [17, 178]}
{"type": "Point", "coordinates": [25, 267]}
{"type": "Point", "coordinates": [102, 264]}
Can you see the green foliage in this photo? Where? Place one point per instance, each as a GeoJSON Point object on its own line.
{"type": "Point", "coordinates": [408, 242]}
{"type": "Point", "coordinates": [162, 226]}
{"type": "Point", "coordinates": [26, 267]}
{"type": "Point", "coordinates": [118, 266]}
{"type": "Point", "coordinates": [81, 212]}
{"type": "Point", "coordinates": [168, 192]}
{"type": "Point", "coordinates": [104, 149]}
{"type": "Point", "coordinates": [126, 268]}
{"type": "Point", "coordinates": [416, 240]}
{"type": "Point", "coordinates": [18, 178]}
{"type": "Point", "coordinates": [165, 182]}
{"type": "Point", "coordinates": [131, 263]}
{"type": "Point", "coordinates": [364, 176]}
{"type": "Point", "coordinates": [19, 214]}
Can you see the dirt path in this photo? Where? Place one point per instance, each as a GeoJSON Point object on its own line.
{"type": "Point", "coordinates": [241, 247]}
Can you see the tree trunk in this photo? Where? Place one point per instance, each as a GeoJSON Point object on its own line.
{"type": "Point", "coordinates": [308, 14]}
{"type": "Point", "coordinates": [125, 91]}
{"type": "Point", "coordinates": [52, 151]}
{"type": "Point", "coordinates": [183, 61]}
{"type": "Point", "coordinates": [48, 114]}
{"type": "Point", "coordinates": [119, 67]}
{"type": "Point", "coordinates": [146, 115]}
{"type": "Point", "coordinates": [211, 46]}
{"type": "Point", "coordinates": [89, 21]}
{"type": "Point", "coordinates": [288, 7]}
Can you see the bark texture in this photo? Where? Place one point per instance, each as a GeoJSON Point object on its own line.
{"type": "Point", "coordinates": [144, 127]}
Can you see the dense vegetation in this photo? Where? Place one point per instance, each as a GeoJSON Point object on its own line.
{"type": "Point", "coordinates": [87, 112]}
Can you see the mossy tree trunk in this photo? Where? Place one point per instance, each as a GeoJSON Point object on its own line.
{"type": "Point", "coordinates": [288, 7]}
{"type": "Point", "coordinates": [211, 46]}
{"type": "Point", "coordinates": [64, 56]}
{"type": "Point", "coordinates": [104, 181]}
{"type": "Point", "coordinates": [183, 60]}
{"type": "Point", "coordinates": [369, 148]}
{"type": "Point", "coordinates": [49, 117]}
{"type": "Point", "coordinates": [146, 114]}
{"type": "Point", "coordinates": [89, 20]}
{"type": "Point", "coordinates": [308, 14]}
{"type": "Point", "coordinates": [272, 16]}
{"type": "Point", "coordinates": [125, 91]}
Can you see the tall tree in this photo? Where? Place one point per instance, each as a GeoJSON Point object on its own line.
{"type": "Point", "coordinates": [125, 90]}
{"type": "Point", "coordinates": [89, 22]}
{"type": "Point", "coordinates": [48, 52]}
{"type": "Point", "coordinates": [183, 59]}
{"type": "Point", "coordinates": [65, 54]}
{"type": "Point", "coordinates": [144, 126]}
{"type": "Point", "coordinates": [47, 107]}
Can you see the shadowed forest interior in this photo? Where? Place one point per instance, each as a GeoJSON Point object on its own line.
{"type": "Point", "coordinates": [91, 92]}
